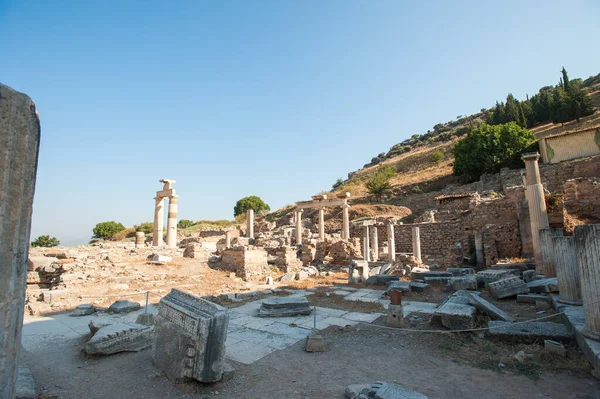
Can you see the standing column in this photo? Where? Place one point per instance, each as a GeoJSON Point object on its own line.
{"type": "Point", "coordinates": [346, 222]}
{"type": "Point", "coordinates": [140, 239]}
{"type": "Point", "coordinates": [391, 242]}
{"type": "Point", "coordinates": [567, 270]}
{"type": "Point", "coordinates": [227, 239]}
{"type": "Point", "coordinates": [587, 249]}
{"type": "Point", "coordinates": [375, 243]}
{"type": "Point", "coordinates": [547, 250]}
{"type": "Point", "coordinates": [479, 255]}
{"type": "Point", "coordinates": [19, 146]}
{"type": "Point", "coordinates": [534, 193]}
{"type": "Point", "coordinates": [159, 214]}
{"type": "Point", "coordinates": [322, 224]}
{"type": "Point", "coordinates": [299, 227]}
{"type": "Point", "coordinates": [172, 222]}
{"type": "Point", "coordinates": [366, 249]}
{"type": "Point", "coordinates": [416, 242]}
{"type": "Point", "coordinates": [250, 223]}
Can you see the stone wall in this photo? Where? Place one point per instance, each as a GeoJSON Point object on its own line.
{"type": "Point", "coordinates": [582, 197]}
{"type": "Point", "coordinates": [286, 258]}
{"type": "Point", "coordinates": [249, 264]}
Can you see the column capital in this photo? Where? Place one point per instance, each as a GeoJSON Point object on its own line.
{"type": "Point", "coordinates": [530, 156]}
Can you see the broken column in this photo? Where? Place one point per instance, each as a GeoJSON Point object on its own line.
{"type": "Point", "coordinates": [479, 254]}
{"type": "Point", "coordinates": [250, 223]}
{"type": "Point", "coordinates": [321, 224]}
{"type": "Point", "coordinates": [227, 239]}
{"type": "Point", "coordinates": [366, 246]}
{"type": "Point", "coordinates": [299, 227]}
{"type": "Point", "coordinates": [19, 146]}
{"type": "Point", "coordinates": [547, 249]}
{"type": "Point", "coordinates": [534, 192]}
{"type": "Point", "coordinates": [172, 222]}
{"type": "Point", "coordinates": [374, 244]}
{"type": "Point", "coordinates": [140, 239]}
{"type": "Point", "coordinates": [391, 242]}
{"type": "Point", "coordinates": [587, 249]}
{"type": "Point", "coordinates": [345, 222]}
{"type": "Point", "coordinates": [190, 334]}
{"type": "Point", "coordinates": [157, 236]}
{"type": "Point", "coordinates": [416, 243]}
{"type": "Point", "coordinates": [567, 270]}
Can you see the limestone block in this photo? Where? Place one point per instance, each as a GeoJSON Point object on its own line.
{"type": "Point", "coordinates": [385, 390]}
{"type": "Point", "coordinates": [490, 276]}
{"type": "Point", "coordinates": [456, 316]}
{"type": "Point", "coordinates": [120, 337]}
{"type": "Point", "coordinates": [507, 287]}
{"type": "Point", "coordinates": [460, 271]}
{"type": "Point", "coordinates": [544, 285]}
{"type": "Point", "coordinates": [288, 277]}
{"type": "Point", "coordinates": [468, 282]}
{"type": "Point", "coordinates": [197, 251]}
{"type": "Point", "coordinates": [535, 331]}
{"type": "Point", "coordinates": [395, 316]}
{"type": "Point", "coordinates": [83, 310]}
{"type": "Point", "coordinates": [38, 262]}
{"type": "Point", "coordinates": [284, 307]}
{"type": "Point", "coordinates": [489, 309]}
{"type": "Point", "coordinates": [124, 306]}
{"type": "Point", "coordinates": [26, 387]}
{"type": "Point", "coordinates": [190, 336]}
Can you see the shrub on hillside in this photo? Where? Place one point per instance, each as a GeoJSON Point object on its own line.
{"type": "Point", "coordinates": [250, 202]}
{"type": "Point", "coordinates": [145, 227]}
{"type": "Point", "coordinates": [488, 148]}
{"type": "Point", "coordinates": [379, 182]}
{"type": "Point", "coordinates": [185, 223]}
{"type": "Point", "coordinates": [437, 157]}
{"type": "Point", "coordinates": [107, 230]}
{"type": "Point", "coordinates": [45, 241]}
{"type": "Point", "coordinates": [338, 183]}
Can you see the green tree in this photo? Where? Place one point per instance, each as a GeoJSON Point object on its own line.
{"type": "Point", "coordinates": [185, 223]}
{"type": "Point", "coordinates": [488, 148]}
{"type": "Point", "coordinates": [45, 241]}
{"type": "Point", "coordinates": [338, 183]}
{"type": "Point", "coordinates": [107, 230]}
{"type": "Point", "coordinates": [379, 182]}
{"type": "Point", "coordinates": [145, 227]}
{"type": "Point", "coordinates": [251, 202]}
{"type": "Point", "coordinates": [565, 79]}
{"type": "Point", "coordinates": [580, 104]}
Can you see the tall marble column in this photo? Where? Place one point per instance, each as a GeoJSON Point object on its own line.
{"type": "Point", "coordinates": [345, 222]}
{"type": "Point", "coordinates": [172, 222]}
{"type": "Point", "coordinates": [159, 216]}
{"type": "Point", "coordinates": [19, 146]}
{"type": "Point", "coordinates": [322, 224]}
{"type": "Point", "coordinates": [567, 270]}
{"type": "Point", "coordinates": [375, 243]}
{"type": "Point", "coordinates": [416, 243]}
{"type": "Point", "coordinates": [391, 242]}
{"type": "Point", "coordinates": [299, 227]}
{"type": "Point", "coordinates": [547, 250]}
{"type": "Point", "coordinates": [587, 249]}
{"type": "Point", "coordinates": [250, 223]}
{"type": "Point", "coordinates": [534, 192]}
{"type": "Point", "coordinates": [366, 246]}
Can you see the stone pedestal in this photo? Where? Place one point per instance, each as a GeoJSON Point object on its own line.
{"type": "Point", "coordinates": [322, 224]}
{"type": "Point", "coordinates": [416, 243]}
{"type": "Point", "coordinates": [374, 244]}
{"type": "Point", "coordinates": [567, 270]}
{"type": "Point", "coordinates": [366, 245]}
{"type": "Point", "coordinates": [391, 243]}
{"type": "Point", "coordinates": [395, 316]}
{"type": "Point", "coordinates": [587, 249]}
{"type": "Point", "coordinates": [159, 215]}
{"type": "Point", "coordinates": [345, 222]}
{"type": "Point", "coordinates": [299, 227]}
{"type": "Point", "coordinates": [547, 250]}
{"type": "Point", "coordinates": [140, 239]}
{"type": "Point", "coordinates": [250, 223]}
{"type": "Point", "coordinates": [19, 145]}
{"type": "Point", "coordinates": [172, 222]}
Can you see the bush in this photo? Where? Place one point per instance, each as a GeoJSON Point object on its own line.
{"type": "Point", "coordinates": [338, 183]}
{"type": "Point", "coordinates": [251, 202]}
{"type": "Point", "coordinates": [185, 223]}
{"type": "Point", "coordinates": [45, 241]}
{"type": "Point", "coordinates": [437, 157]}
{"type": "Point", "coordinates": [107, 230]}
{"type": "Point", "coordinates": [379, 182]}
{"type": "Point", "coordinates": [145, 227]}
{"type": "Point", "coordinates": [488, 148]}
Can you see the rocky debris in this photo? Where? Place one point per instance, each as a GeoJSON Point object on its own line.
{"type": "Point", "coordinates": [520, 357]}
{"type": "Point", "coordinates": [358, 272]}
{"type": "Point", "coordinates": [528, 332]}
{"type": "Point", "coordinates": [403, 286]}
{"type": "Point", "coordinates": [314, 343]}
{"type": "Point", "coordinates": [120, 337]}
{"type": "Point", "coordinates": [301, 275]}
{"type": "Point", "coordinates": [25, 387]}
{"type": "Point", "coordinates": [420, 274]}
{"type": "Point", "coordinates": [197, 251]}
{"type": "Point", "coordinates": [124, 306]}
{"type": "Point", "coordinates": [288, 277]}
{"type": "Point", "coordinates": [490, 276]}
{"type": "Point", "coordinates": [352, 391]}
{"type": "Point", "coordinates": [157, 259]}
{"type": "Point", "coordinates": [507, 287]}
{"type": "Point", "coordinates": [83, 310]}
{"type": "Point", "coordinates": [545, 285]}
{"type": "Point", "coordinates": [456, 313]}
{"type": "Point", "coordinates": [532, 298]}
{"type": "Point", "coordinates": [555, 348]}
{"type": "Point", "coordinates": [381, 279]}
{"type": "Point", "coordinates": [489, 309]}
{"type": "Point", "coordinates": [284, 306]}
{"type": "Point", "coordinates": [419, 287]}
{"type": "Point", "coordinates": [381, 390]}
{"type": "Point", "coordinates": [466, 282]}
{"type": "Point", "coordinates": [528, 275]}
{"type": "Point", "coordinates": [38, 262]}
{"type": "Point", "coordinates": [459, 271]}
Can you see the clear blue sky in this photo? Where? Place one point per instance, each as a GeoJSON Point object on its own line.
{"type": "Point", "coordinates": [270, 98]}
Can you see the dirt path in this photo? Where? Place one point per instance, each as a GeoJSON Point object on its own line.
{"type": "Point", "coordinates": [358, 355]}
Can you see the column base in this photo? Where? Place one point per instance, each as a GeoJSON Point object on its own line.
{"type": "Point", "coordinates": [594, 335]}
{"type": "Point", "coordinates": [570, 301]}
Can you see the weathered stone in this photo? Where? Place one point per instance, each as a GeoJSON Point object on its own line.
{"type": "Point", "coordinates": [419, 287]}
{"type": "Point", "coordinates": [314, 343]}
{"type": "Point", "coordinates": [545, 285]}
{"type": "Point", "coordinates": [160, 259]}
{"type": "Point", "coordinates": [190, 337]}
{"type": "Point", "coordinates": [403, 286]}
{"type": "Point", "coordinates": [419, 274]}
{"type": "Point", "coordinates": [437, 280]}
{"type": "Point", "coordinates": [543, 305]}
{"type": "Point", "coordinates": [490, 276]}
{"type": "Point", "coordinates": [460, 271]}
{"type": "Point", "coordinates": [528, 275]}
{"type": "Point", "coordinates": [288, 277]}
{"type": "Point", "coordinates": [532, 298]}
{"type": "Point", "coordinates": [124, 306]}
{"type": "Point", "coordinates": [197, 251]}
{"type": "Point", "coordinates": [395, 316]}
{"type": "Point", "coordinates": [120, 337]}
{"type": "Point", "coordinates": [528, 332]}
{"type": "Point", "coordinates": [507, 287]}
{"type": "Point", "coordinates": [382, 279]}
{"type": "Point", "coordinates": [301, 275]}
{"type": "Point", "coordinates": [489, 309]}
{"type": "Point", "coordinates": [83, 310]}
{"type": "Point", "coordinates": [38, 263]}
{"type": "Point", "coordinates": [146, 319]}
{"type": "Point", "coordinates": [352, 391]}
{"type": "Point", "coordinates": [555, 348]}
{"type": "Point", "coordinates": [456, 316]}
{"type": "Point", "coordinates": [248, 263]}
{"type": "Point", "coordinates": [284, 306]}
{"type": "Point", "coordinates": [385, 390]}
{"type": "Point", "coordinates": [25, 388]}
{"type": "Point", "coordinates": [467, 282]}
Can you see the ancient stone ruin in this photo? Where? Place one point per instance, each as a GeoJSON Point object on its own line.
{"type": "Point", "coordinates": [167, 192]}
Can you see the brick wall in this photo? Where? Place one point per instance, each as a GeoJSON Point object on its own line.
{"type": "Point", "coordinates": [249, 264]}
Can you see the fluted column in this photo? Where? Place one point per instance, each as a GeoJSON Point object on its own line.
{"type": "Point", "coordinates": [547, 250]}
{"type": "Point", "coordinates": [19, 146]}
{"type": "Point", "coordinates": [567, 271]}
{"type": "Point", "coordinates": [321, 224]}
{"type": "Point", "coordinates": [250, 223]}
{"type": "Point", "coordinates": [534, 193]}
{"type": "Point", "coordinates": [172, 222]}
{"type": "Point", "coordinates": [366, 249]}
{"type": "Point", "coordinates": [346, 222]}
{"type": "Point", "coordinates": [416, 242]}
{"type": "Point", "coordinates": [159, 215]}
{"type": "Point", "coordinates": [587, 249]}
{"type": "Point", "coordinates": [391, 242]}
{"type": "Point", "coordinates": [299, 227]}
